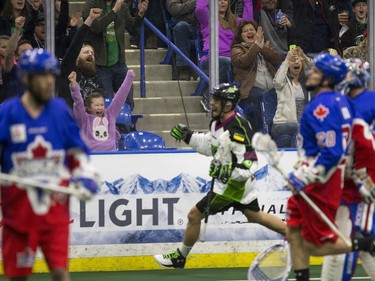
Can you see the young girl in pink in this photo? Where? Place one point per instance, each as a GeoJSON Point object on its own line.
{"type": "Point", "coordinates": [97, 124]}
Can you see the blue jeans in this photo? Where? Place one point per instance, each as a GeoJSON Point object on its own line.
{"type": "Point", "coordinates": [224, 68]}
{"type": "Point", "coordinates": [182, 32]}
{"type": "Point", "coordinates": [111, 78]}
{"type": "Point", "coordinates": [251, 107]}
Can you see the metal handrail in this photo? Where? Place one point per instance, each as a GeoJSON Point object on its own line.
{"type": "Point", "coordinates": [202, 76]}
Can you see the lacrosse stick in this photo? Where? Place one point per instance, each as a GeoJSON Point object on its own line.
{"type": "Point", "coordinates": [264, 144]}
{"type": "Point", "coordinates": [273, 263]}
{"type": "Point", "coordinates": [71, 189]}
{"type": "Point", "coordinates": [221, 156]}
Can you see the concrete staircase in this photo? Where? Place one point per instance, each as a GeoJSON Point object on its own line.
{"type": "Point", "coordinates": [163, 106]}
{"type": "Point", "coordinates": [167, 102]}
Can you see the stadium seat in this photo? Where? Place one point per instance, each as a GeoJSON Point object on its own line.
{"type": "Point", "coordinates": [125, 117]}
{"type": "Point", "coordinates": [142, 140]}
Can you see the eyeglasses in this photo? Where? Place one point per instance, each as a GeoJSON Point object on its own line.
{"type": "Point", "coordinates": [247, 30]}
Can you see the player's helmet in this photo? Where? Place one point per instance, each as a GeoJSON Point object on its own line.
{"type": "Point", "coordinates": [38, 61]}
{"type": "Point", "coordinates": [333, 67]}
{"type": "Point", "coordinates": [360, 72]}
{"type": "Point", "coordinates": [227, 92]}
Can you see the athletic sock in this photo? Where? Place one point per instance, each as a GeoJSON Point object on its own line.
{"type": "Point", "coordinates": [362, 244]}
{"type": "Point", "coordinates": [185, 250]}
{"type": "Point", "coordinates": [302, 274]}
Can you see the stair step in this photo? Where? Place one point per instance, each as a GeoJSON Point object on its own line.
{"type": "Point", "coordinates": [159, 72]}
{"type": "Point", "coordinates": [163, 105]}
{"type": "Point", "coordinates": [166, 88]}
{"type": "Point", "coordinates": [152, 56]}
{"type": "Point", "coordinates": [152, 122]}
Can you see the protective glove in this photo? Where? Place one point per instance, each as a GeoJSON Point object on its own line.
{"type": "Point", "coordinates": [365, 185]}
{"type": "Point", "coordinates": [181, 132]}
{"type": "Point", "coordinates": [367, 190]}
{"type": "Point", "coordinates": [219, 171]}
{"type": "Point", "coordinates": [303, 176]}
{"type": "Point", "coordinates": [86, 187]}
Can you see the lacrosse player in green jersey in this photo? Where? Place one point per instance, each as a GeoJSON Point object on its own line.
{"type": "Point", "coordinates": [232, 171]}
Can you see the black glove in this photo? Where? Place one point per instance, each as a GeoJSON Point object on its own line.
{"type": "Point", "coordinates": [181, 132]}
{"type": "Point", "coordinates": [219, 171]}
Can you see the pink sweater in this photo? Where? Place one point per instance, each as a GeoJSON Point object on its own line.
{"type": "Point", "coordinates": [226, 36]}
{"type": "Point", "coordinates": [100, 133]}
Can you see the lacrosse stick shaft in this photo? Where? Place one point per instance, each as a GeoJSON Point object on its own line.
{"type": "Point", "coordinates": [6, 178]}
{"type": "Point", "coordinates": [209, 195]}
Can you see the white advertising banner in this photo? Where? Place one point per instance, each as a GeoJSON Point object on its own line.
{"type": "Point", "coordinates": [145, 198]}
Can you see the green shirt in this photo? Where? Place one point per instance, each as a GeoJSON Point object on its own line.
{"type": "Point", "coordinates": [112, 44]}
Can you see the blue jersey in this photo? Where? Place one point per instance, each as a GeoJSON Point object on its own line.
{"type": "Point", "coordinates": [325, 128]}
{"type": "Point", "coordinates": [36, 148]}
{"type": "Point", "coordinates": [365, 106]}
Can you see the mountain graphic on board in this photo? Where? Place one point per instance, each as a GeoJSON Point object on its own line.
{"type": "Point", "coordinates": [182, 183]}
{"type": "Point", "coordinates": [136, 184]}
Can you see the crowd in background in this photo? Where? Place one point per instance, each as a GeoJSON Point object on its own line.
{"type": "Point", "coordinates": [264, 45]}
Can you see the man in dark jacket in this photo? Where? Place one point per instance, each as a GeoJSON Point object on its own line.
{"type": "Point", "coordinates": [317, 24]}
{"type": "Point", "coordinates": [107, 36]}
{"type": "Point", "coordinates": [81, 59]}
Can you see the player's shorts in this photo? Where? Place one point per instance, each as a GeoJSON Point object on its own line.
{"type": "Point", "coordinates": [18, 249]}
{"type": "Point", "coordinates": [313, 228]}
{"type": "Point", "coordinates": [220, 203]}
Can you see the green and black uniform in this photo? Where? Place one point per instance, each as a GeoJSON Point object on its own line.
{"type": "Point", "coordinates": [239, 190]}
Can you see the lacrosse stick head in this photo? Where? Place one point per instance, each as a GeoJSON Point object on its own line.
{"type": "Point", "coordinates": [273, 263]}
{"type": "Point", "coordinates": [264, 144]}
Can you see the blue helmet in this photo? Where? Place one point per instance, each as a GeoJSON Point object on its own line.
{"type": "Point", "coordinates": [360, 72]}
{"type": "Point", "coordinates": [333, 67]}
{"type": "Point", "coordinates": [38, 61]}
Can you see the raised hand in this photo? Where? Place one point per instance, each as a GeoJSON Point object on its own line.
{"type": "Point", "coordinates": [142, 7]}
{"type": "Point", "coordinates": [95, 12]}
{"type": "Point", "coordinates": [259, 36]}
{"type": "Point", "coordinates": [19, 22]}
{"type": "Point", "coordinates": [73, 78]}
{"type": "Point", "coordinates": [74, 20]}
{"type": "Point", "coordinates": [118, 5]}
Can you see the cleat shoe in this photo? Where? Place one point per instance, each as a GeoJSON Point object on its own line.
{"type": "Point", "coordinates": [173, 259]}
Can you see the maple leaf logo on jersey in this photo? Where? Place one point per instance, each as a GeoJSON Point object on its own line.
{"type": "Point", "coordinates": [321, 112]}
{"type": "Point", "coordinates": [40, 151]}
